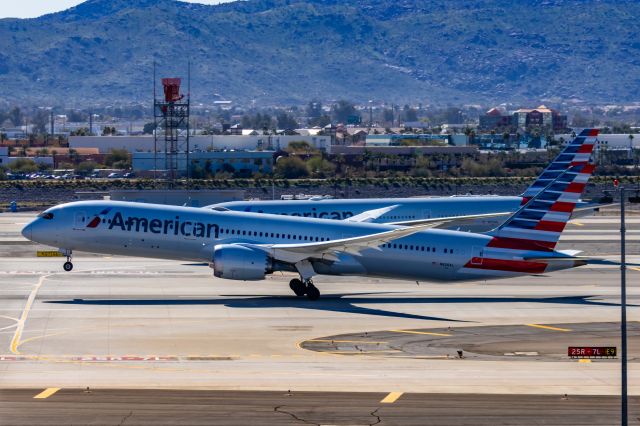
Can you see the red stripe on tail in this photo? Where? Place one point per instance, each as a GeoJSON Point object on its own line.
{"type": "Point", "coordinates": [547, 225]}
{"type": "Point", "coordinates": [575, 187]}
{"type": "Point", "coordinates": [506, 265]}
{"type": "Point", "coordinates": [521, 244]}
{"type": "Point", "coordinates": [562, 206]}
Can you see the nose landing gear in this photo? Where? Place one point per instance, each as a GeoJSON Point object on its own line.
{"type": "Point", "coordinates": [68, 266]}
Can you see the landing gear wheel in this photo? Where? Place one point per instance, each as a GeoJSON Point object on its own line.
{"type": "Point", "coordinates": [298, 287]}
{"type": "Point", "coordinates": [68, 266]}
{"type": "Point", "coordinates": [312, 291]}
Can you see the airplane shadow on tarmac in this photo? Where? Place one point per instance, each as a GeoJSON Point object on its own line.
{"type": "Point", "coordinates": [346, 303]}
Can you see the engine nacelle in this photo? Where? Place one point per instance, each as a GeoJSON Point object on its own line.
{"type": "Point", "coordinates": [235, 262]}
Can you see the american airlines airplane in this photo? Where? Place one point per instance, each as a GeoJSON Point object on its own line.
{"type": "Point", "coordinates": [248, 246]}
{"type": "Point", "coordinates": [408, 210]}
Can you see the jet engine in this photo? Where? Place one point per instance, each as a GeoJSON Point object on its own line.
{"type": "Point", "coordinates": [234, 262]}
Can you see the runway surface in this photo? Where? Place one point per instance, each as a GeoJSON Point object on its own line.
{"type": "Point", "coordinates": [153, 407]}
{"type": "Point", "coordinates": [118, 323]}
{"type": "Point", "coordinates": [491, 343]}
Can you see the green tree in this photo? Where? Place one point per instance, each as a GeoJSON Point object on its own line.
{"type": "Point", "coordinates": [320, 167]}
{"type": "Point", "coordinates": [314, 109]}
{"type": "Point", "coordinates": [16, 116]}
{"type": "Point", "coordinates": [109, 130]}
{"type": "Point", "coordinates": [82, 131]}
{"type": "Point", "coordinates": [86, 167]}
{"type": "Point", "coordinates": [148, 128]}
{"type": "Point", "coordinates": [291, 168]}
{"type": "Point", "coordinates": [118, 159]}
{"type": "Point", "coordinates": [300, 147]}
{"type": "Point", "coordinates": [76, 116]}
{"type": "Point", "coordinates": [387, 116]}
{"type": "Point", "coordinates": [409, 114]}
{"type": "Point", "coordinates": [341, 111]}
{"type": "Point", "coordinates": [197, 172]}
{"type": "Point", "coordinates": [23, 165]}
{"type": "Point", "coordinates": [321, 121]}
{"type": "Point", "coordinates": [228, 168]}
{"type": "Point", "coordinates": [40, 121]}
{"type": "Point", "coordinates": [286, 121]}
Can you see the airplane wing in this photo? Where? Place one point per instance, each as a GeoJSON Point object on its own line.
{"type": "Point", "coordinates": [370, 215]}
{"type": "Point", "coordinates": [328, 249]}
{"type": "Point", "coordinates": [435, 222]}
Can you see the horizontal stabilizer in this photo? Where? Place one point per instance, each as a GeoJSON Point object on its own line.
{"type": "Point", "coordinates": [586, 260]}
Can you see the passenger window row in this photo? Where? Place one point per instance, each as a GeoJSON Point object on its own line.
{"type": "Point", "coordinates": [272, 235]}
{"type": "Point", "coordinates": [415, 248]}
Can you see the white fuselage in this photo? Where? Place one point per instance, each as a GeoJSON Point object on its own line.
{"type": "Point", "coordinates": [185, 233]}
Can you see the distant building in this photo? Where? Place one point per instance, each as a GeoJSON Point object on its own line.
{"type": "Point", "coordinates": [5, 160]}
{"type": "Point", "coordinates": [236, 130]}
{"type": "Point", "coordinates": [200, 142]}
{"type": "Point", "coordinates": [191, 198]}
{"type": "Point", "coordinates": [404, 150]}
{"type": "Point", "coordinates": [415, 125]}
{"type": "Point", "coordinates": [495, 119]}
{"type": "Point", "coordinates": [407, 139]}
{"type": "Point", "coordinates": [243, 162]}
{"type": "Point", "coordinates": [405, 157]}
{"type": "Point", "coordinates": [613, 141]}
{"type": "Point", "coordinates": [540, 117]}
{"type": "Point", "coordinates": [525, 119]}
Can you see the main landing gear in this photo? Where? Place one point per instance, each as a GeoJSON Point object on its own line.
{"type": "Point", "coordinates": [68, 266]}
{"type": "Point", "coordinates": [301, 288]}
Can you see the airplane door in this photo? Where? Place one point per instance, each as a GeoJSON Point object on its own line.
{"type": "Point", "coordinates": [477, 254]}
{"type": "Point", "coordinates": [79, 220]}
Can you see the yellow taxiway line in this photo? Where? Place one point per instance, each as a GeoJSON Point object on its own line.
{"type": "Point", "coordinates": [46, 393]}
{"type": "Point", "coordinates": [634, 268]}
{"type": "Point", "coordinates": [420, 332]}
{"type": "Point", "coordinates": [548, 327]}
{"type": "Point", "coordinates": [345, 341]}
{"type": "Point", "coordinates": [391, 398]}
{"type": "Point", "coordinates": [15, 341]}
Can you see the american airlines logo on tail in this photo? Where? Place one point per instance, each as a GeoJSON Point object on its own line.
{"type": "Point", "coordinates": [98, 218]}
{"type": "Point", "coordinates": [537, 225]}
{"type": "Point", "coordinates": [578, 151]}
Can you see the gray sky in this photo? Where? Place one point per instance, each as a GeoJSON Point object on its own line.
{"type": "Point", "coordinates": [34, 8]}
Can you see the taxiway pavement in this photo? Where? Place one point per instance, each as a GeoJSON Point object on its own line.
{"type": "Point", "coordinates": [122, 323]}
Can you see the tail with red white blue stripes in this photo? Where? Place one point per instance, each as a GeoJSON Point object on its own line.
{"type": "Point", "coordinates": [537, 225]}
{"type": "Point", "coordinates": [525, 243]}
{"type": "Point", "coordinates": [576, 152]}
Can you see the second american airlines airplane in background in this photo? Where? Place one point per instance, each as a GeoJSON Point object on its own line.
{"type": "Point", "coordinates": [492, 210]}
{"type": "Point", "coordinates": [248, 246]}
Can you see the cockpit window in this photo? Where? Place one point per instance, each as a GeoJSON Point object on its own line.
{"type": "Point", "coordinates": [46, 215]}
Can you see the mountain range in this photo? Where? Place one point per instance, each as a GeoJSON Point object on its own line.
{"type": "Point", "coordinates": [290, 51]}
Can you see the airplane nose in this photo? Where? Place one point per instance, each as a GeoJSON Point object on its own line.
{"type": "Point", "coordinates": [26, 232]}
